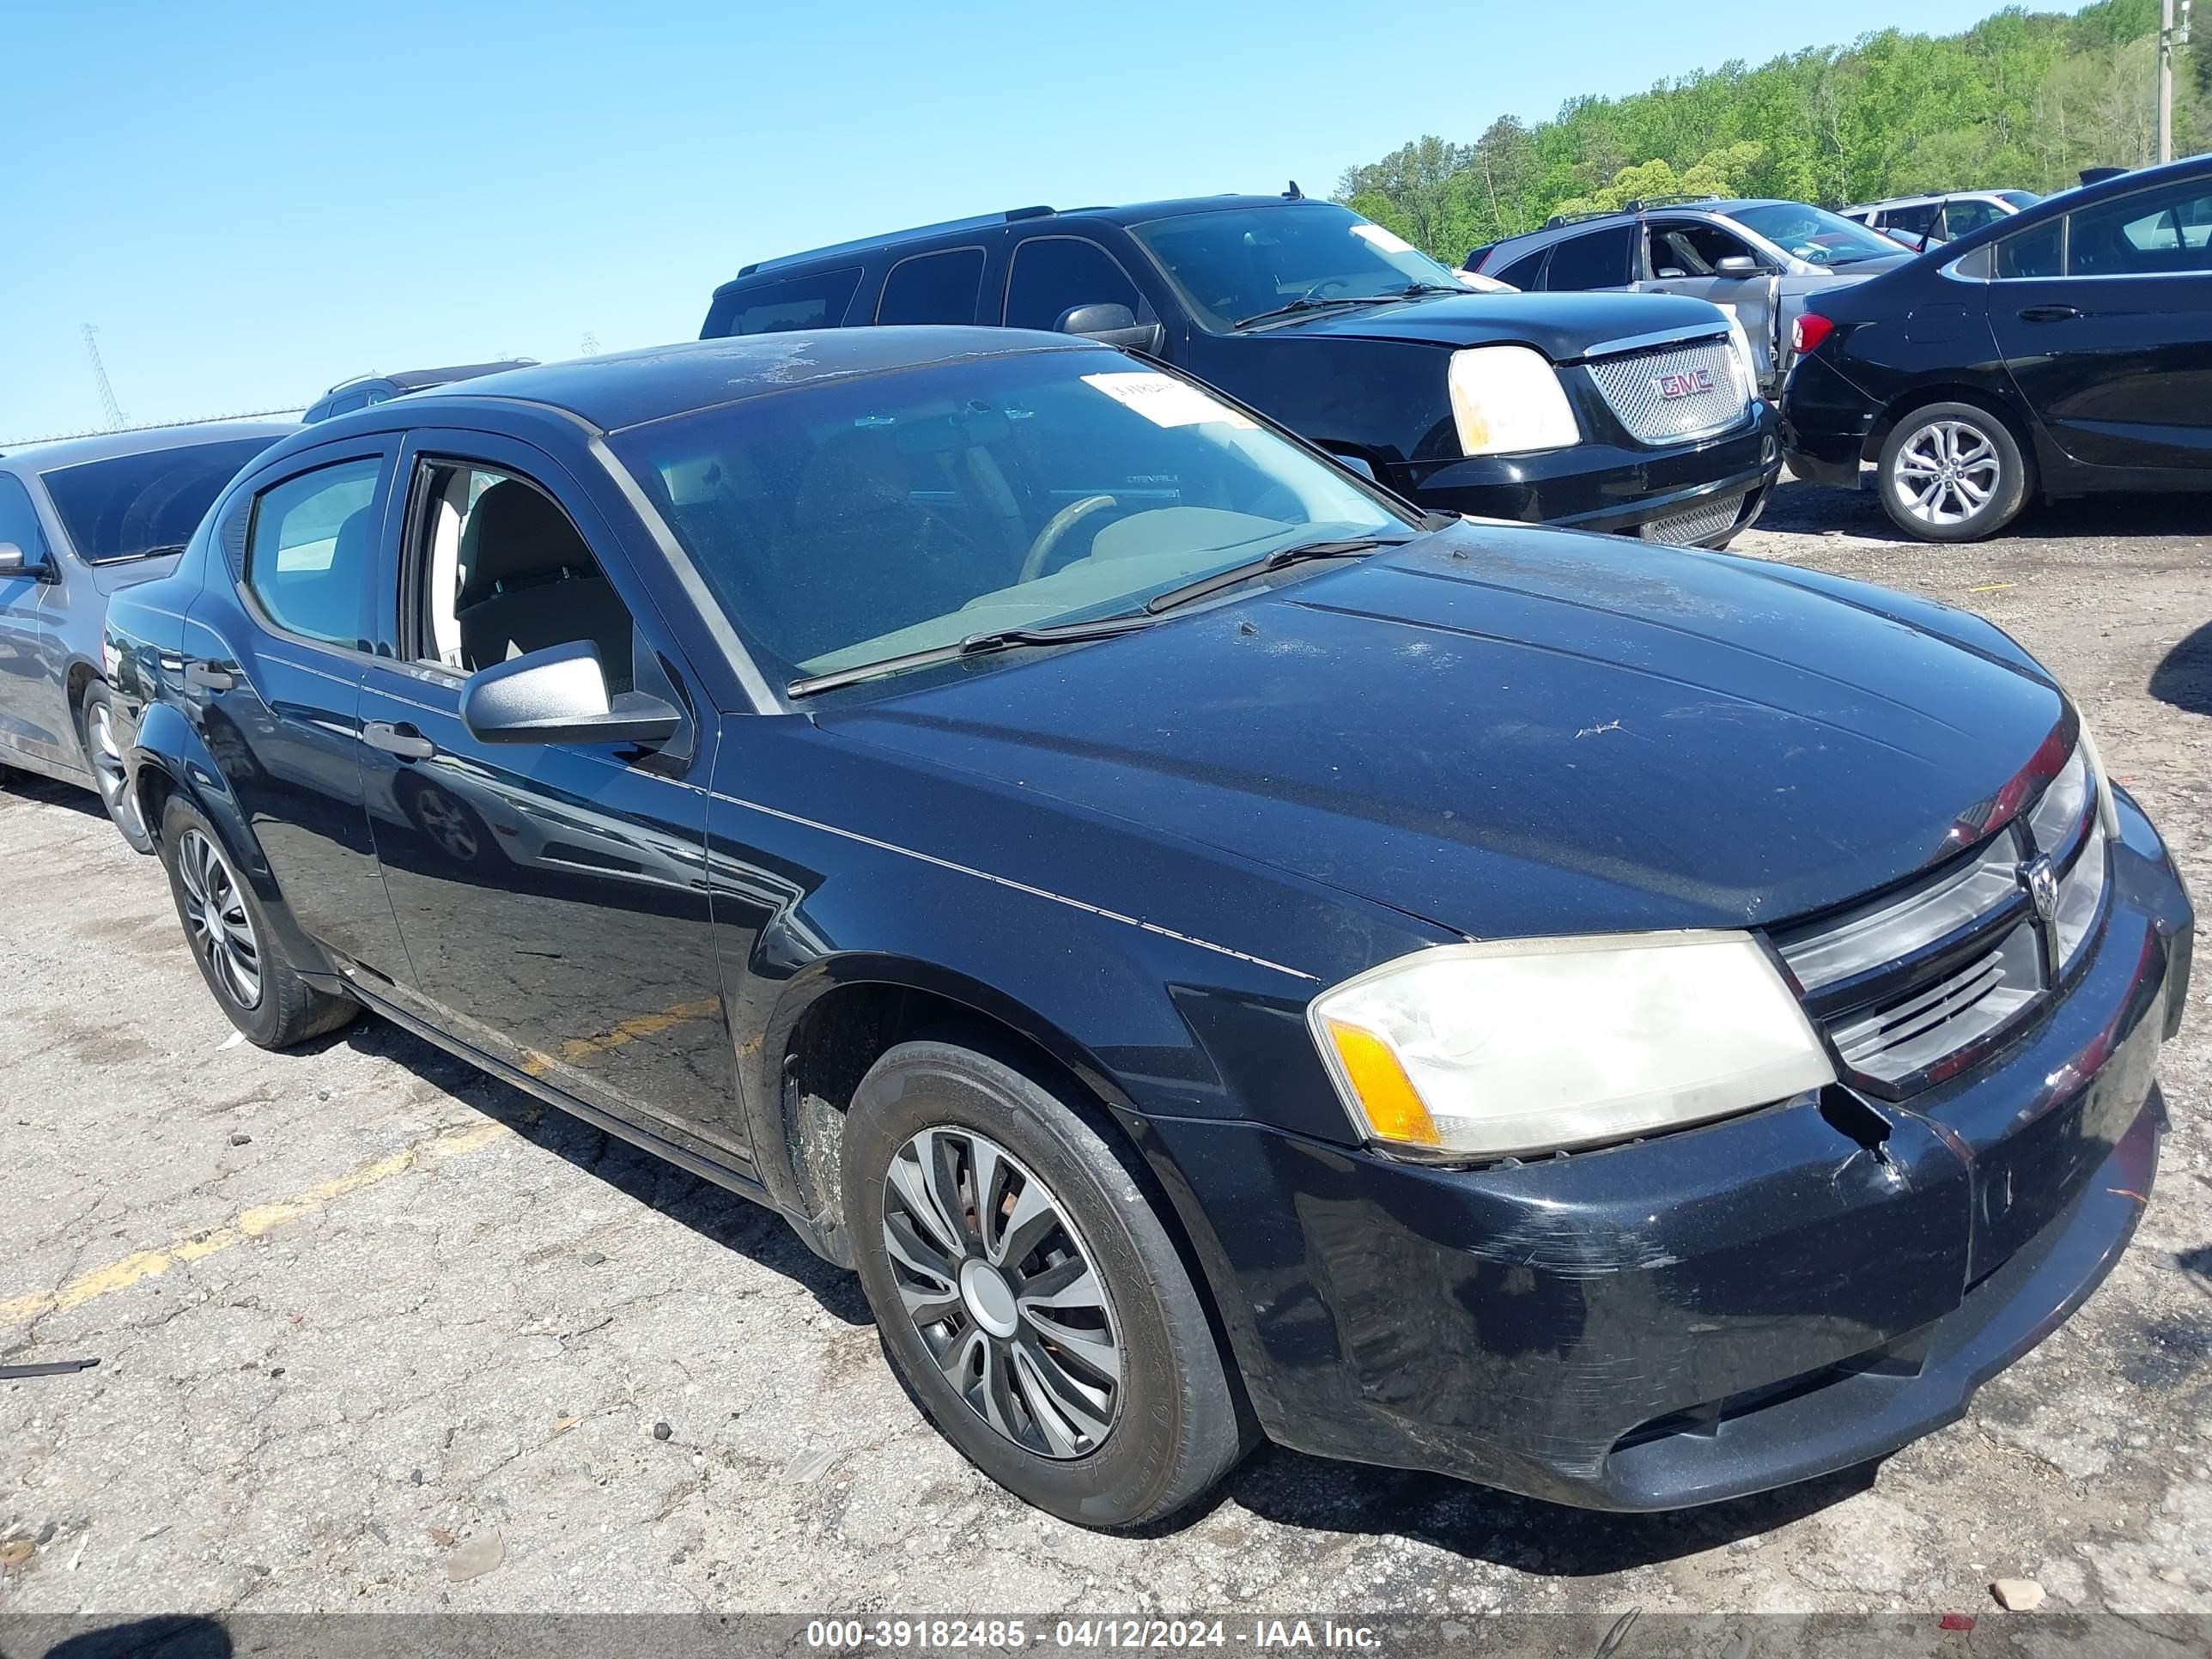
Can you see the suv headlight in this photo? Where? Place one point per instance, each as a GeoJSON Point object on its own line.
{"type": "Point", "coordinates": [1521, 1046]}
{"type": "Point", "coordinates": [1507, 399]}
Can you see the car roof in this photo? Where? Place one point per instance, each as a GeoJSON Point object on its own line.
{"type": "Point", "coordinates": [620, 389]}
{"type": "Point", "coordinates": [1131, 213]}
{"type": "Point", "coordinates": [140, 441]}
{"type": "Point", "coordinates": [410, 379]}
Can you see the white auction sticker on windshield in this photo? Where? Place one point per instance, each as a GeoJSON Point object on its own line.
{"type": "Point", "coordinates": [1163, 400]}
{"type": "Point", "coordinates": [1387, 241]}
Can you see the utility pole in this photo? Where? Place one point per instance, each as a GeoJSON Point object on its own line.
{"type": "Point", "coordinates": [2171, 33]}
{"type": "Point", "coordinates": [106, 391]}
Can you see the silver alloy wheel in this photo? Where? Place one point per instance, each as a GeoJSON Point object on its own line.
{"type": "Point", "coordinates": [107, 769]}
{"type": "Point", "coordinates": [1004, 1291]}
{"type": "Point", "coordinates": [1947, 471]}
{"type": "Point", "coordinates": [215, 915]}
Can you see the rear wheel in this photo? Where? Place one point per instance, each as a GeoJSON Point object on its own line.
{"type": "Point", "coordinates": [269, 1003]}
{"type": "Point", "coordinates": [103, 754]}
{"type": "Point", "coordinates": [1951, 472]}
{"type": "Point", "coordinates": [1028, 1294]}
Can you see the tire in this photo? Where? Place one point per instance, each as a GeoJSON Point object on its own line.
{"type": "Point", "coordinates": [1114, 1407]}
{"type": "Point", "coordinates": [231, 940]}
{"type": "Point", "coordinates": [103, 758]}
{"type": "Point", "coordinates": [1951, 472]}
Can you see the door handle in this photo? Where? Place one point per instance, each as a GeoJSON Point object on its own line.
{"type": "Point", "coordinates": [403, 740]}
{"type": "Point", "coordinates": [208, 678]}
{"type": "Point", "coordinates": [2048, 313]}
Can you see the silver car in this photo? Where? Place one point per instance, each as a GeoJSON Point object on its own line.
{"type": "Point", "coordinates": [1759, 259]}
{"type": "Point", "coordinates": [1917, 221]}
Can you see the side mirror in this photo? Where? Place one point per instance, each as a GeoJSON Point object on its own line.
{"type": "Point", "coordinates": [1114, 325]}
{"type": "Point", "coordinates": [1358, 463]}
{"type": "Point", "coordinates": [14, 562]}
{"type": "Point", "coordinates": [1735, 265]}
{"type": "Point", "coordinates": [560, 696]}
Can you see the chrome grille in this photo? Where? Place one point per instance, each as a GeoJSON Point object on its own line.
{"type": "Point", "coordinates": [1706, 519]}
{"type": "Point", "coordinates": [1631, 385]}
{"type": "Point", "coordinates": [1907, 984]}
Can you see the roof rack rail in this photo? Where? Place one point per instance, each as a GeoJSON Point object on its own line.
{"type": "Point", "coordinates": [1640, 204]}
{"type": "Point", "coordinates": [1011, 216]}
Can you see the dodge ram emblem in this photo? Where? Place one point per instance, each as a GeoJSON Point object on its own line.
{"type": "Point", "coordinates": [1690, 383]}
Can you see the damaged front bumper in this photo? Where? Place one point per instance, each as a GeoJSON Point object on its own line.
{"type": "Point", "coordinates": [1715, 1312]}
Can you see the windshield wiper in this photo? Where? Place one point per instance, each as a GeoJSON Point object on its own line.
{"type": "Point", "coordinates": [975, 645]}
{"type": "Point", "coordinates": [1305, 303]}
{"type": "Point", "coordinates": [1280, 559]}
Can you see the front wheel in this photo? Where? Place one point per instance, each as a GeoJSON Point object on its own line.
{"type": "Point", "coordinates": [1951, 472]}
{"type": "Point", "coordinates": [1027, 1293]}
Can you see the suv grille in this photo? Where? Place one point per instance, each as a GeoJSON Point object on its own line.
{"type": "Point", "coordinates": [1694, 524]}
{"type": "Point", "coordinates": [1912, 987]}
{"type": "Point", "coordinates": [1677, 391]}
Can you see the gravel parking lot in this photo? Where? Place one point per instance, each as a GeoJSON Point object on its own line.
{"type": "Point", "coordinates": [376, 1333]}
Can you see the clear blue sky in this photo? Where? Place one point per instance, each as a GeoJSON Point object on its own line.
{"type": "Point", "coordinates": [254, 202]}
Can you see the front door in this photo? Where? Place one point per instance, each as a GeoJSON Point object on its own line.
{"type": "Point", "coordinates": [1686, 256]}
{"type": "Point", "coordinates": [553, 897]}
{"type": "Point", "coordinates": [2104, 320]}
{"type": "Point", "coordinates": [30, 726]}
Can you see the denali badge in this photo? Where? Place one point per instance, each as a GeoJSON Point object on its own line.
{"type": "Point", "coordinates": [1690, 383]}
{"type": "Point", "coordinates": [2042, 884]}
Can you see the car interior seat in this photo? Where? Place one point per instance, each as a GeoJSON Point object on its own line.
{"type": "Point", "coordinates": [528, 581]}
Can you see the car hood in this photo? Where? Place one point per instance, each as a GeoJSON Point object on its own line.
{"type": "Point", "coordinates": [1563, 326]}
{"type": "Point", "coordinates": [1517, 733]}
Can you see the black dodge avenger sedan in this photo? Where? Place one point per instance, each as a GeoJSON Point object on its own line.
{"type": "Point", "coordinates": [1221, 952]}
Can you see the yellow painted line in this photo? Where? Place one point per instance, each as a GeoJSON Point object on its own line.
{"type": "Point", "coordinates": [1992, 588]}
{"type": "Point", "coordinates": [261, 1219]}
{"type": "Point", "coordinates": [576, 1050]}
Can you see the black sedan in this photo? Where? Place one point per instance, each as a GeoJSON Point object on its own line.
{"type": "Point", "coordinates": [2066, 350]}
{"type": "Point", "coordinates": [1245, 956]}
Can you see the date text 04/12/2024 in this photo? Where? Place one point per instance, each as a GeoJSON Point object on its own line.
{"type": "Point", "coordinates": [853, 1635]}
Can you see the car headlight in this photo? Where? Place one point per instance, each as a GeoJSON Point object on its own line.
{"type": "Point", "coordinates": [1521, 1046]}
{"type": "Point", "coordinates": [2108, 809]}
{"type": "Point", "coordinates": [1507, 399]}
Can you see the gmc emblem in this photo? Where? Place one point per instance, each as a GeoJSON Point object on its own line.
{"type": "Point", "coordinates": [1690, 384]}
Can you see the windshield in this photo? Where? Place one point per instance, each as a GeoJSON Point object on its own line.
{"type": "Point", "coordinates": [2019, 198]}
{"type": "Point", "coordinates": [1240, 263]}
{"type": "Point", "coordinates": [126, 508]}
{"type": "Point", "coordinates": [852, 521]}
{"type": "Point", "coordinates": [1814, 234]}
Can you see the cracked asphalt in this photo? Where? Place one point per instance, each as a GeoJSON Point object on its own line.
{"type": "Point", "coordinates": [376, 1333]}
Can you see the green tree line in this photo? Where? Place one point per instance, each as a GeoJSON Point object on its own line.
{"type": "Point", "coordinates": [2021, 100]}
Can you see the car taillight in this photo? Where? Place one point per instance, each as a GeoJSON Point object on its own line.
{"type": "Point", "coordinates": [1811, 329]}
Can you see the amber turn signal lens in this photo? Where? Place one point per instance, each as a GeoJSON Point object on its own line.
{"type": "Point", "coordinates": [1387, 1094]}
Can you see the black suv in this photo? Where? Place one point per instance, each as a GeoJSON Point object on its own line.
{"type": "Point", "coordinates": [1629, 413]}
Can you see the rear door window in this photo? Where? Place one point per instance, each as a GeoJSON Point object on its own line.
{"type": "Point", "coordinates": [308, 550]}
{"type": "Point", "coordinates": [2036, 252]}
{"type": "Point", "coordinates": [2151, 233]}
{"type": "Point", "coordinates": [934, 287]}
{"type": "Point", "coordinates": [1527, 272]}
{"type": "Point", "coordinates": [1599, 259]}
{"type": "Point", "coordinates": [1051, 275]}
{"type": "Point", "coordinates": [816, 299]}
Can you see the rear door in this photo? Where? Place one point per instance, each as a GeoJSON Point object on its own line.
{"type": "Point", "coordinates": [553, 897]}
{"type": "Point", "coordinates": [2103, 318]}
{"type": "Point", "coordinates": [271, 671]}
{"type": "Point", "coordinates": [30, 726]}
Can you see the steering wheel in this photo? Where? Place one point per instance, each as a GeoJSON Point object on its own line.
{"type": "Point", "coordinates": [1319, 289]}
{"type": "Point", "coordinates": [1055, 531]}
